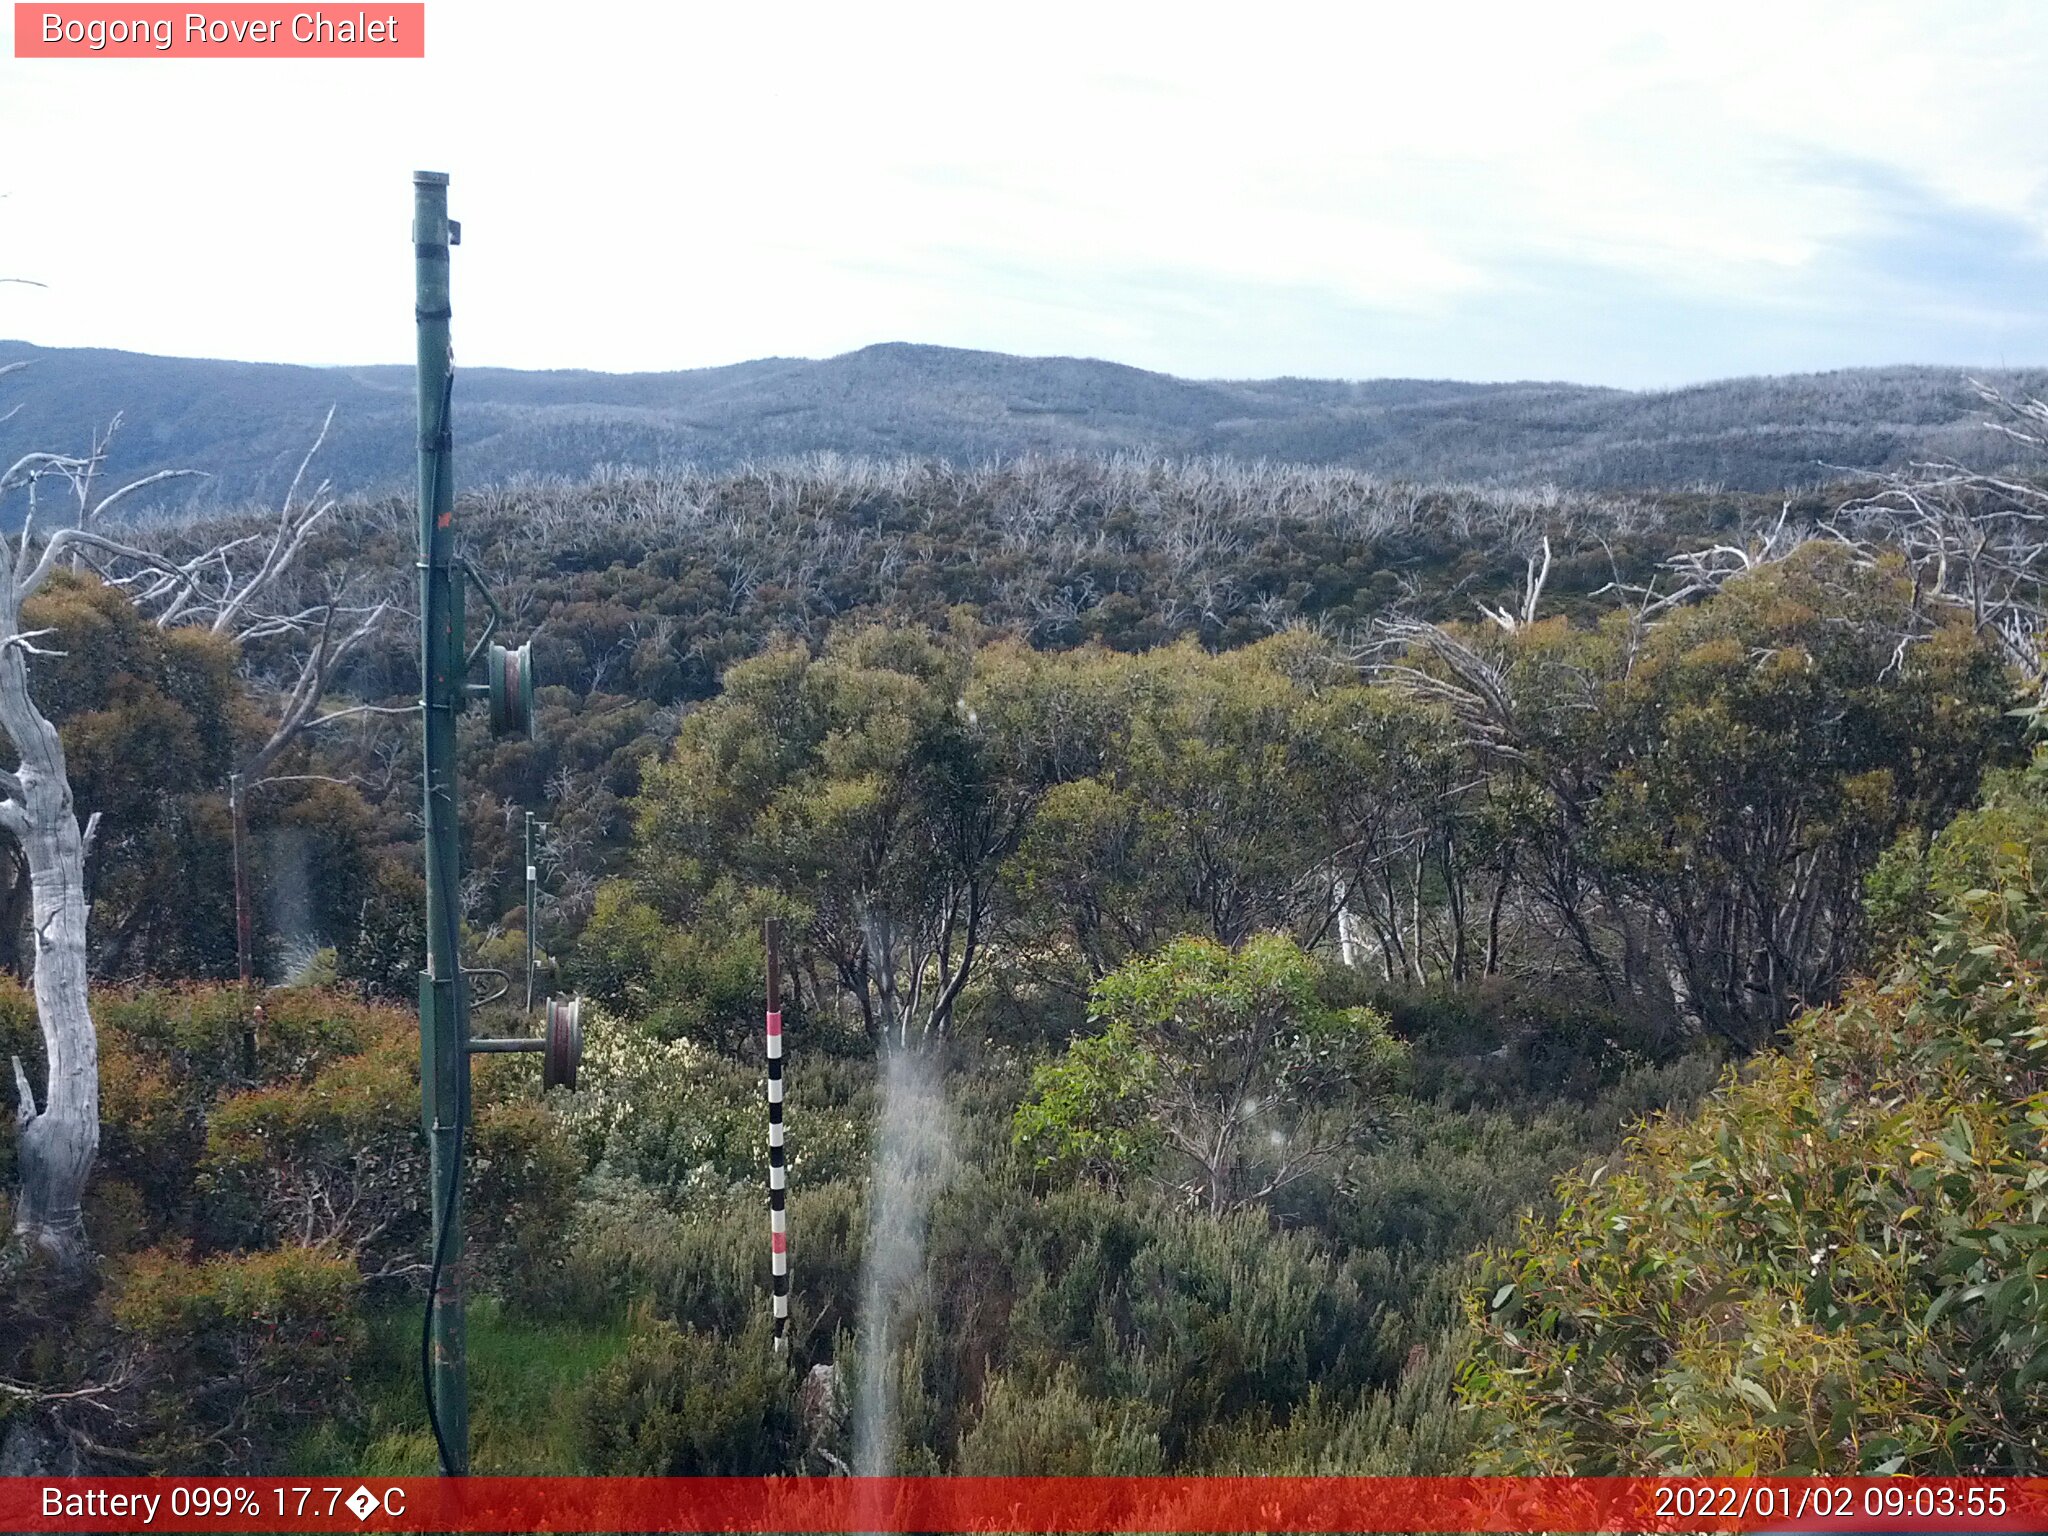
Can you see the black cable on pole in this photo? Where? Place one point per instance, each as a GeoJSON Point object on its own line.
{"type": "Point", "coordinates": [427, 1322]}
{"type": "Point", "coordinates": [453, 951]}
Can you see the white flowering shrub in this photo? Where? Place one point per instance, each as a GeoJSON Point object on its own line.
{"type": "Point", "coordinates": [694, 1124]}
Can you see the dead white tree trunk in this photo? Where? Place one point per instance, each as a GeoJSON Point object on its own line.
{"type": "Point", "coordinates": [58, 1136]}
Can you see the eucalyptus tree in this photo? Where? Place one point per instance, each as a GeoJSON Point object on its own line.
{"type": "Point", "coordinates": [1717, 768]}
{"type": "Point", "coordinates": [1263, 788]}
{"type": "Point", "coordinates": [872, 792]}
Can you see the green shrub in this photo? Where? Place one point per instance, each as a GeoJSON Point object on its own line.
{"type": "Point", "coordinates": [1055, 1431]}
{"type": "Point", "coordinates": [680, 1403]}
{"type": "Point", "coordinates": [230, 1355]}
{"type": "Point", "coordinates": [1501, 1041]}
{"type": "Point", "coordinates": [1414, 1429]}
{"type": "Point", "coordinates": [689, 1122]}
{"type": "Point", "coordinates": [1090, 1110]}
{"type": "Point", "coordinates": [168, 1055]}
{"type": "Point", "coordinates": [194, 1031]}
{"type": "Point", "coordinates": [677, 982]}
{"type": "Point", "coordinates": [1840, 1264]}
{"type": "Point", "coordinates": [523, 1179]}
{"type": "Point", "coordinates": [340, 1159]}
{"type": "Point", "coordinates": [1225, 1062]}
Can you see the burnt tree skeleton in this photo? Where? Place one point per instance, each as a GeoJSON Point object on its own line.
{"type": "Point", "coordinates": [59, 1134]}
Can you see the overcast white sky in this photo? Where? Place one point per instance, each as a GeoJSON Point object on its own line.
{"type": "Point", "coordinates": [1624, 194]}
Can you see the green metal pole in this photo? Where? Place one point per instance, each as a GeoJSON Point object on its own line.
{"type": "Point", "coordinates": [444, 1026]}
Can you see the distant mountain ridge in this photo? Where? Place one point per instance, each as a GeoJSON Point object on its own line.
{"type": "Point", "coordinates": [247, 424]}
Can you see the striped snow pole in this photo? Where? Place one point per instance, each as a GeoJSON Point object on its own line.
{"type": "Point", "coordinates": [778, 1171]}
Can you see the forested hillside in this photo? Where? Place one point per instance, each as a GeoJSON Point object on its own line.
{"type": "Point", "coordinates": [245, 424]}
{"type": "Point", "coordinates": [1221, 903]}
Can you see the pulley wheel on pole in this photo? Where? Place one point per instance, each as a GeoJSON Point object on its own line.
{"type": "Point", "coordinates": [512, 690]}
{"type": "Point", "coordinates": [563, 1043]}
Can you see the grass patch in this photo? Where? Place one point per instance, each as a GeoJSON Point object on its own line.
{"type": "Point", "coordinates": [524, 1376]}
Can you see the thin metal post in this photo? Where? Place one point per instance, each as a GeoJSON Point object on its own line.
{"type": "Point", "coordinates": [245, 960]}
{"type": "Point", "coordinates": [530, 884]}
{"type": "Point", "coordinates": [444, 1026]}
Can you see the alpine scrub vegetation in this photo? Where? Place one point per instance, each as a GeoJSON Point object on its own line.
{"type": "Point", "coordinates": [1840, 1264]}
{"type": "Point", "coordinates": [1276, 931]}
{"type": "Point", "coordinates": [252, 1227]}
{"type": "Point", "coordinates": [1226, 1062]}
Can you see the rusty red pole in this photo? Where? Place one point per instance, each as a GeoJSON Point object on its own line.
{"type": "Point", "coordinates": [245, 960]}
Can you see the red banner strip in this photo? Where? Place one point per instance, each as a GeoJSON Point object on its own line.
{"type": "Point", "coordinates": [377, 30]}
{"type": "Point", "coordinates": [1025, 1504]}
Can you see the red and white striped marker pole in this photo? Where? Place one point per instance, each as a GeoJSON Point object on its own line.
{"type": "Point", "coordinates": [778, 1171]}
